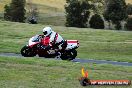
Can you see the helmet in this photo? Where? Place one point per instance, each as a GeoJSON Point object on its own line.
{"type": "Point", "coordinates": [47, 31]}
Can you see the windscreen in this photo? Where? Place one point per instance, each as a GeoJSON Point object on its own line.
{"type": "Point", "coordinates": [35, 38]}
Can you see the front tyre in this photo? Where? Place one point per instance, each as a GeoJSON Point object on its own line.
{"type": "Point", "coordinates": [27, 52]}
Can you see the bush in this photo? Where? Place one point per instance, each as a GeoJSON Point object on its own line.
{"type": "Point", "coordinates": [115, 11]}
{"type": "Point", "coordinates": [15, 11]}
{"type": "Point", "coordinates": [129, 24]}
{"type": "Point", "coordinates": [129, 9]}
{"type": "Point", "coordinates": [77, 13]}
{"type": "Point", "coordinates": [96, 22]}
{"type": "Point", "coordinates": [7, 13]}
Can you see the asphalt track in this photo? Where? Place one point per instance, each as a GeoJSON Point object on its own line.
{"type": "Point", "coordinates": [78, 60]}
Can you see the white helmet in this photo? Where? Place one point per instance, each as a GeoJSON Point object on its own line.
{"type": "Point", "coordinates": [47, 31]}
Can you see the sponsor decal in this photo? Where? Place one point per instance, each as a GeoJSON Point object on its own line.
{"type": "Point", "coordinates": [85, 81]}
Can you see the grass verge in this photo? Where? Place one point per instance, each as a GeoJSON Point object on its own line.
{"type": "Point", "coordinates": [40, 73]}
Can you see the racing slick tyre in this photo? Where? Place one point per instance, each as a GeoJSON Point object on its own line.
{"type": "Point", "coordinates": [27, 52]}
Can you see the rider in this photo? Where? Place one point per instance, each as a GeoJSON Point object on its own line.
{"type": "Point", "coordinates": [51, 39]}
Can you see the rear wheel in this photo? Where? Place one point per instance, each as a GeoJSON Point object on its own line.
{"type": "Point", "coordinates": [27, 52]}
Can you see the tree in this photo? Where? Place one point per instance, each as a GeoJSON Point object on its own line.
{"type": "Point", "coordinates": [129, 24]}
{"type": "Point", "coordinates": [96, 22]}
{"type": "Point", "coordinates": [129, 9]}
{"type": "Point", "coordinates": [15, 11]}
{"type": "Point", "coordinates": [32, 12]}
{"type": "Point", "coordinates": [7, 15]}
{"type": "Point", "coordinates": [115, 12]}
{"type": "Point", "coordinates": [77, 13]}
{"type": "Point", "coordinates": [98, 6]}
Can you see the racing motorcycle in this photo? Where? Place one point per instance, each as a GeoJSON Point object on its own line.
{"type": "Point", "coordinates": [33, 48]}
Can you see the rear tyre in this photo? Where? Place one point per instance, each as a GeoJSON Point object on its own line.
{"type": "Point", "coordinates": [27, 52]}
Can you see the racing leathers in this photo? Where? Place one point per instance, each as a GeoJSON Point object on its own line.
{"type": "Point", "coordinates": [53, 40]}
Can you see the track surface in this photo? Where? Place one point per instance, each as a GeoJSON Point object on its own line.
{"type": "Point", "coordinates": [78, 60]}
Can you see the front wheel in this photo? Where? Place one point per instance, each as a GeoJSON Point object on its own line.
{"type": "Point", "coordinates": [69, 55]}
{"type": "Point", "coordinates": [27, 52]}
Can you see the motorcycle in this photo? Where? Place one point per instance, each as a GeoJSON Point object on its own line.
{"type": "Point", "coordinates": [68, 51]}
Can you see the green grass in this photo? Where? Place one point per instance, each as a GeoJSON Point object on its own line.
{"type": "Point", "coordinates": [94, 44]}
{"type": "Point", "coordinates": [48, 19]}
{"type": "Point", "coordinates": [50, 13]}
{"type": "Point", "coordinates": [58, 4]}
{"type": "Point", "coordinates": [41, 73]}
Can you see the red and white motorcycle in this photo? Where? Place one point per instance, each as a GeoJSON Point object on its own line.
{"type": "Point", "coordinates": [33, 48]}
